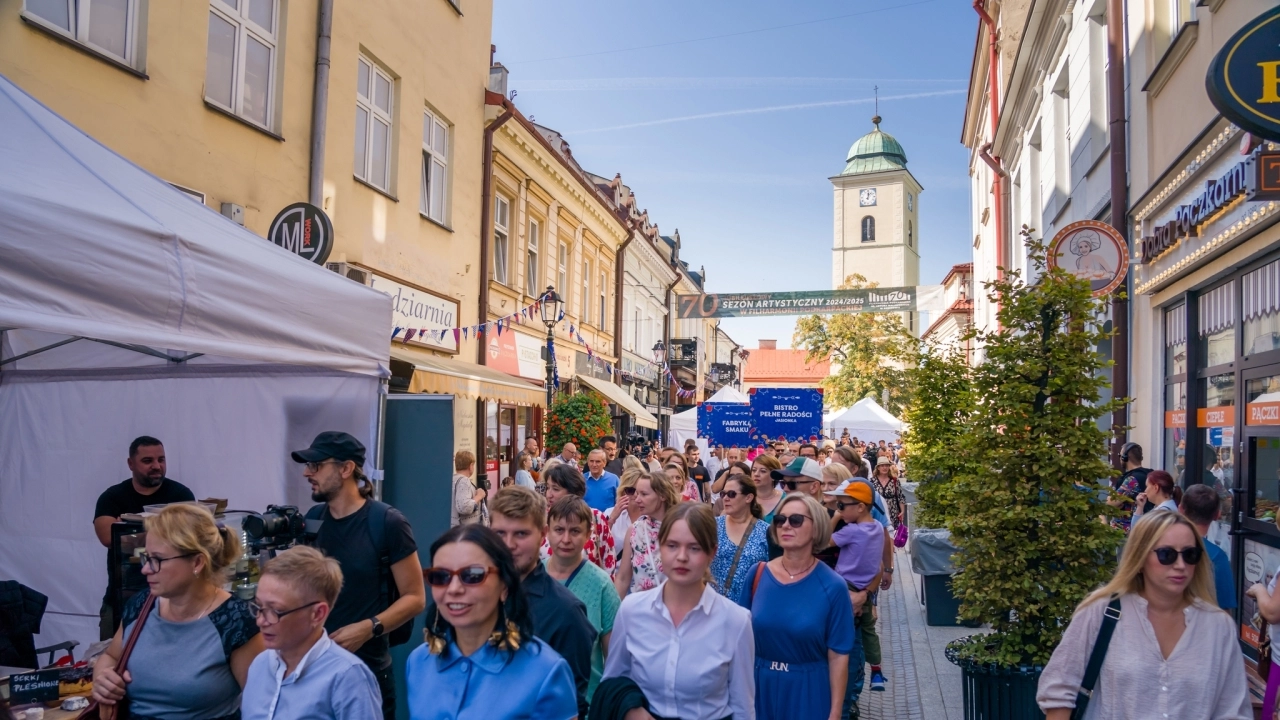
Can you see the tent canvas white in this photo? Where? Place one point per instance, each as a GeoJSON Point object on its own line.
{"type": "Point", "coordinates": [684, 425]}
{"type": "Point", "coordinates": [867, 421]}
{"type": "Point", "coordinates": [126, 309]}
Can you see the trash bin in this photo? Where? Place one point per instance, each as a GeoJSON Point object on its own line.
{"type": "Point", "coordinates": [931, 551]}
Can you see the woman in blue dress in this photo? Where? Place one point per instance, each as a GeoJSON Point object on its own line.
{"type": "Point", "coordinates": [481, 659]}
{"type": "Point", "coordinates": [742, 538]}
{"type": "Point", "coordinates": [803, 620]}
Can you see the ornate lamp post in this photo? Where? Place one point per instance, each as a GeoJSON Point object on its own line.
{"type": "Point", "coordinates": [660, 357]}
{"type": "Point", "coordinates": [552, 308]}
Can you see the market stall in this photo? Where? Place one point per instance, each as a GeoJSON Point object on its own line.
{"type": "Point", "coordinates": [684, 425]}
{"type": "Point", "coordinates": [127, 309]}
{"type": "Point", "coordinates": [867, 421]}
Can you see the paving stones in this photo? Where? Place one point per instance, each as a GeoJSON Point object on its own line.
{"type": "Point", "coordinates": [901, 699]}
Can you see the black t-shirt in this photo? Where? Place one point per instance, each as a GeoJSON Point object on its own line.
{"type": "Point", "coordinates": [560, 620]}
{"type": "Point", "coordinates": [699, 474]}
{"type": "Point", "coordinates": [348, 541]}
{"type": "Point", "coordinates": [122, 498]}
{"type": "Point", "coordinates": [615, 466]}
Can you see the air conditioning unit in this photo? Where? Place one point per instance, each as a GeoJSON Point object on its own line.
{"type": "Point", "coordinates": [350, 272]}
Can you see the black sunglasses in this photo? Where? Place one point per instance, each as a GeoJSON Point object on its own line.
{"type": "Point", "coordinates": [1168, 556]}
{"type": "Point", "coordinates": [793, 484]}
{"type": "Point", "coordinates": [472, 575]}
{"type": "Point", "coordinates": [841, 505]}
{"type": "Point", "coordinates": [731, 494]}
{"type": "Point", "coordinates": [629, 490]}
{"type": "Point", "coordinates": [794, 521]}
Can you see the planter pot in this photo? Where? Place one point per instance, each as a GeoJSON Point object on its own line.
{"type": "Point", "coordinates": [992, 692]}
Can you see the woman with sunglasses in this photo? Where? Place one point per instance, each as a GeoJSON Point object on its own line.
{"type": "Point", "coordinates": [197, 638]}
{"type": "Point", "coordinates": [624, 513]}
{"type": "Point", "coordinates": [640, 567]}
{"type": "Point", "coordinates": [769, 494]}
{"type": "Point", "coordinates": [802, 656]}
{"type": "Point", "coordinates": [565, 480]}
{"type": "Point", "coordinates": [886, 484]}
{"type": "Point", "coordinates": [741, 536]}
{"type": "Point", "coordinates": [1170, 631]}
{"type": "Point", "coordinates": [686, 647]}
{"type": "Point", "coordinates": [678, 474]}
{"type": "Point", "coordinates": [480, 658]}
{"type": "Point", "coordinates": [1161, 490]}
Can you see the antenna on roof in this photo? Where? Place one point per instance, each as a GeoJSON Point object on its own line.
{"type": "Point", "coordinates": [876, 119]}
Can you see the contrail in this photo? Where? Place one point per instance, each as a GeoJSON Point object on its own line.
{"type": "Point", "coordinates": [631, 83]}
{"type": "Point", "coordinates": [757, 111]}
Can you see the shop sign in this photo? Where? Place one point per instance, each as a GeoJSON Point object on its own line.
{"type": "Point", "coordinates": [1092, 251]}
{"type": "Point", "coordinates": [1216, 417]}
{"type": "Point", "coordinates": [584, 365]}
{"type": "Point", "coordinates": [304, 230]}
{"type": "Point", "coordinates": [1175, 418]}
{"type": "Point", "coordinates": [420, 310]}
{"type": "Point", "coordinates": [516, 353]}
{"type": "Point", "coordinates": [1244, 78]}
{"type": "Point", "coordinates": [1262, 413]}
{"type": "Point", "coordinates": [34, 687]}
{"type": "Point", "coordinates": [1188, 218]}
{"type": "Point", "coordinates": [643, 371]}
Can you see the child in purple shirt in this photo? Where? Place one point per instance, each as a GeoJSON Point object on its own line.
{"type": "Point", "coordinates": [861, 540]}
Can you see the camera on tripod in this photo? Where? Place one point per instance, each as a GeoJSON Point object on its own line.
{"type": "Point", "coordinates": [281, 526]}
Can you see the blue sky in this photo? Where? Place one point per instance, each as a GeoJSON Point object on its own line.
{"type": "Point", "coordinates": [731, 137]}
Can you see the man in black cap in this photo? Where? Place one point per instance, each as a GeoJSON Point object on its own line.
{"type": "Point", "coordinates": [382, 579]}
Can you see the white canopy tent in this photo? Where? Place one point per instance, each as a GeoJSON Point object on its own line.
{"type": "Point", "coordinates": [684, 425]}
{"type": "Point", "coordinates": [126, 309]}
{"type": "Point", "coordinates": [867, 421]}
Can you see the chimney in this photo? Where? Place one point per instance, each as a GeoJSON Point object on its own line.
{"type": "Point", "coordinates": [498, 79]}
{"type": "Point", "coordinates": [768, 344]}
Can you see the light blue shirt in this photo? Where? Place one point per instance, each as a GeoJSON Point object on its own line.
{"type": "Point", "coordinates": [602, 492]}
{"type": "Point", "coordinates": [534, 683]}
{"type": "Point", "coordinates": [329, 683]}
{"type": "Point", "coordinates": [525, 479]}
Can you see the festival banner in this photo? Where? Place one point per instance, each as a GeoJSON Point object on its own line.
{"type": "Point", "coordinates": [786, 414]}
{"type": "Point", "coordinates": [727, 424]}
{"type": "Point", "coordinates": [924, 298]}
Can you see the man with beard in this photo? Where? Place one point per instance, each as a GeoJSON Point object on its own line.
{"type": "Point", "coordinates": [382, 579]}
{"type": "Point", "coordinates": [148, 486]}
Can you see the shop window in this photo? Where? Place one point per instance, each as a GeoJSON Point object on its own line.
{"type": "Point", "coordinates": [374, 104]}
{"type": "Point", "coordinates": [241, 65]}
{"type": "Point", "coordinates": [1262, 401]}
{"type": "Point", "coordinates": [1266, 477]}
{"type": "Point", "coordinates": [1175, 341]}
{"type": "Point", "coordinates": [1175, 428]}
{"type": "Point", "coordinates": [1261, 309]}
{"type": "Point", "coordinates": [1216, 423]}
{"type": "Point", "coordinates": [1217, 325]}
{"type": "Point", "coordinates": [107, 27]}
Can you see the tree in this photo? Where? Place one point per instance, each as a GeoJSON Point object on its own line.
{"type": "Point", "coordinates": [937, 419]}
{"type": "Point", "coordinates": [580, 419]}
{"type": "Point", "coordinates": [1027, 502]}
{"type": "Point", "coordinates": [870, 352]}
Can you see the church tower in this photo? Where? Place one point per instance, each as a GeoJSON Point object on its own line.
{"type": "Point", "coordinates": [877, 217]}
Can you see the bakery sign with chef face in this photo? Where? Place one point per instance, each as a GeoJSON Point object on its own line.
{"type": "Point", "coordinates": [1092, 251]}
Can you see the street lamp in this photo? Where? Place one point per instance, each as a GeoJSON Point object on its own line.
{"type": "Point", "coordinates": [660, 357]}
{"type": "Point", "coordinates": [552, 308]}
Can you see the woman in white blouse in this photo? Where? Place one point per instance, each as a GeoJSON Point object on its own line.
{"type": "Point", "coordinates": [1174, 654]}
{"type": "Point", "coordinates": [689, 649]}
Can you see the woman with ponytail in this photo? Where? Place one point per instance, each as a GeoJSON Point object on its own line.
{"type": "Point", "coordinates": [1162, 491]}
{"type": "Point", "coordinates": [196, 640]}
{"type": "Point", "coordinates": [743, 537]}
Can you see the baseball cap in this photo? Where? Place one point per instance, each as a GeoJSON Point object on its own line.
{"type": "Point", "coordinates": [331, 445]}
{"type": "Point", "coordinates": [857, 489]}
{"type": "Point", "coordinates": [807, 467]}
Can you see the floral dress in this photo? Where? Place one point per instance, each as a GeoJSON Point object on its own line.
{"type": "Point", "coordinates": [691, 493]}
{"type": "Point", "coordinates": [600, 550]}
{"type": "Point", "coordinates": [646, 564]}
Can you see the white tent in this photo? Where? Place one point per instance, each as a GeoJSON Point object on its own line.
{"type": "Point", "coordinates": [126, 309]}
{"type": "Point", "coordinates": [684, 425]}
{"type": "Point", "coordinates": [867, 421]}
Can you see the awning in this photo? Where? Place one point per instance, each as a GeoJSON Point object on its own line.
{"type": "Point", "coordinates": [644, 418]}
{"type": "Point", "coordinates": [445, 376]}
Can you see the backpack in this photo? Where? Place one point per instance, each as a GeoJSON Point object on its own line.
{"type": "Point", "coordinates": [389, 591]}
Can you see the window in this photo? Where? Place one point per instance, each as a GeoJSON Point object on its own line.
{"type": "Point", "coordinates": [586, 292]}
{"type": "Point", "coordinates": [562, 271]}
{"type": "Point", "coordinates": [1261, 290]}
{"type": "Point", "coordinates": [1175, 389]}
{"type": "Point", "coordinates": [911, 202]}
{"type": "Point", "coordinates": [435, 167]}
{"type": "Point", "coordinates": [109, 27]}
{"type": "Point", "coordinates": [868, 229]}
{"type": "Point", "coordinates": [373, 125]}
{"type": "Point", "coordinates": [501, 237]}
{"type": "Point", "coordinates": [239, 74]}
{"type": "Point", "coordinates": [911, 230]}
{"type": "Point", "coordinates": [603, 316]}
{"type": "Point", "coordinates": [531, 260]}
{"type": "Point", "coordinates": [1217, 326]}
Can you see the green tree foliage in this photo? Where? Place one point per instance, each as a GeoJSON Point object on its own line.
{"type": "Point", "coordinates": [580, 419]}
{"type": "Point", "coordinates": [1030, 544]}
{"type": "Point", "coordinates": [937, 417]}
{"type": "Point", "coordinates": [870, 350]}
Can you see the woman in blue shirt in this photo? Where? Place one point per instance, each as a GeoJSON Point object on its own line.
{"type": "Point", "coordinates": [481, 659]}
{"type": "Point", "coordinates": [742, 537]}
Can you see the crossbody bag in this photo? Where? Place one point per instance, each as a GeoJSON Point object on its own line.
{"type": "Point", "coordinates": [737, 554]}
{"type": "Point", "coordinates": [1110, 617]}
{"type": "Point", "coordinates": [96, 711]}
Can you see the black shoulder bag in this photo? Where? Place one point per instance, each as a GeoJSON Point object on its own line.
{"type": "Point", "coordinates": [1110, 617]}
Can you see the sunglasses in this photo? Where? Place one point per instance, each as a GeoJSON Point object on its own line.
{"type": "Point", "coordinates": [793, 484]}
{"type": "Point", "coordinates": [731, 494]}
{"type": "Point", "coordinates": [841, 505]}
{"type": "Point", "coordinates": [629, 490]}
{"type": "Point", "coordinates": [472, 575]}
{"type": "Point", "coordinates": [1169, 556]}
{"type": "Point", "coordinates": [794, 521]}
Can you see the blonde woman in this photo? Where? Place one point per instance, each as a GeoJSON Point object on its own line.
{"type": "Point", "coordinates": [1173, 652]}
{"type": "Point", "coordinates": [832, 476]}
{"type": "Point", "coordinates": [679, 477]}
{"type": "Point", "coordinates": [640, 567]}
{"type": "Point", "coordinates": [624, 513]}
{"type": "Point", "coordinates": [195, 648]}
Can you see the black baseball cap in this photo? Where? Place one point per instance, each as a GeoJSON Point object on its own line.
{"type": "Point", "coordinates": [332, 445]}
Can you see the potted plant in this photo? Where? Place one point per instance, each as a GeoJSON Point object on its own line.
{"type": "Point", "coordinates": [580, 419]}
{"type": "Point", "coordinates": [1027, 503]}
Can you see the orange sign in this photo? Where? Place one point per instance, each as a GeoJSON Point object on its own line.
{"type": "Point", "coordinates": [1263, 413]}
{"type": "Point", "coordinates": [1175, 418]}
{"type": "Point", "coordinates": [1216, 417]}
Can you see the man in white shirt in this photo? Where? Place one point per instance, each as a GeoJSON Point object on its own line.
{"type": "Point", "coordinates": [302, 673]}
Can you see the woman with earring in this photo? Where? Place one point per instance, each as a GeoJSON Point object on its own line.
{"type": "Point", "coordinates": [197, 641]}
{"type": "Point", "coordinates": [640, 567]}
{"type": "Point", "coordinates": [688, 648]}
{"type": "Point", "coordinates": [740, 536]}
{"type": "Point", "coordinates": [1172, 652]}
{"type": "Point", "coordinates": [802, 658]}
{"type": "Point", "coordinates": [762, 475]}
{"type": "Point", "coordinates": [1161, 490]}
{"type": "Point", "coordinates": [480, 659]}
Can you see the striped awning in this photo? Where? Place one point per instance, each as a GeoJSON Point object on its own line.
{"type": "Point", "coordinates": [1218, 309]}
{"type": "Point", "coordinates": [1261, 289]}
{"type": "Point", "coordinates": [445, 376]}
{"type": "Point", "coordinates": [1175, 326]}
{"type": "Point", "coordinates": [619, 397]}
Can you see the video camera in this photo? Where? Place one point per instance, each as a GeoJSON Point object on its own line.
{"type": "Point", "coordinates": [280, 526]}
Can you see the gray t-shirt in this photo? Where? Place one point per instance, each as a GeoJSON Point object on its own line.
{"type": "Point", "coordinates": [182, 671]}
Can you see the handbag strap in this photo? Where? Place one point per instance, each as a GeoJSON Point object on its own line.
{"type": "Point", "coordinates": [737, 554]}
{"type": "Point", "coordinates": [134, 633]}
{"type": "Point", "coordinates": [1110, 617]}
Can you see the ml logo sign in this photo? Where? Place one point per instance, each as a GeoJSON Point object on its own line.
{"type": "Point", "coordinates": [304, 230]}
{"type": "Point", "coordinates": [1244, 77]}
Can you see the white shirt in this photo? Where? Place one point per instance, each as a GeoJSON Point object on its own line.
{"type": "Point", "coordinates": [714, 465]}
{"type": "Point", "coordinates": [704, 669]}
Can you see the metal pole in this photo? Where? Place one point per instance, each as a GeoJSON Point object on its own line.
{"type": "Point", "coordinates": [550, 373]}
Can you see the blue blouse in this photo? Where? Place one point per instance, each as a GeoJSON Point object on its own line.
{"type": "Point", "coordinates": [756, 550]}
{"type": "Point", "coordinates": [534, 683]}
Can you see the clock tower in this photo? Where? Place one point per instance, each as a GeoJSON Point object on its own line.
{"type": "Point", "coordinates": [877, 217]}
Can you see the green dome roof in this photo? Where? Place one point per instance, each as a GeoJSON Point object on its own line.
{"type": "Point", "coordinates": [877, 151]}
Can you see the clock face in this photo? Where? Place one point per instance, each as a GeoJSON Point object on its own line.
{"type": "Point", "coordinates": [867, 197]}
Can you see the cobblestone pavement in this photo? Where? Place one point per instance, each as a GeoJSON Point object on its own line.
{"type": "Point", "coordinates": [901, 698]}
